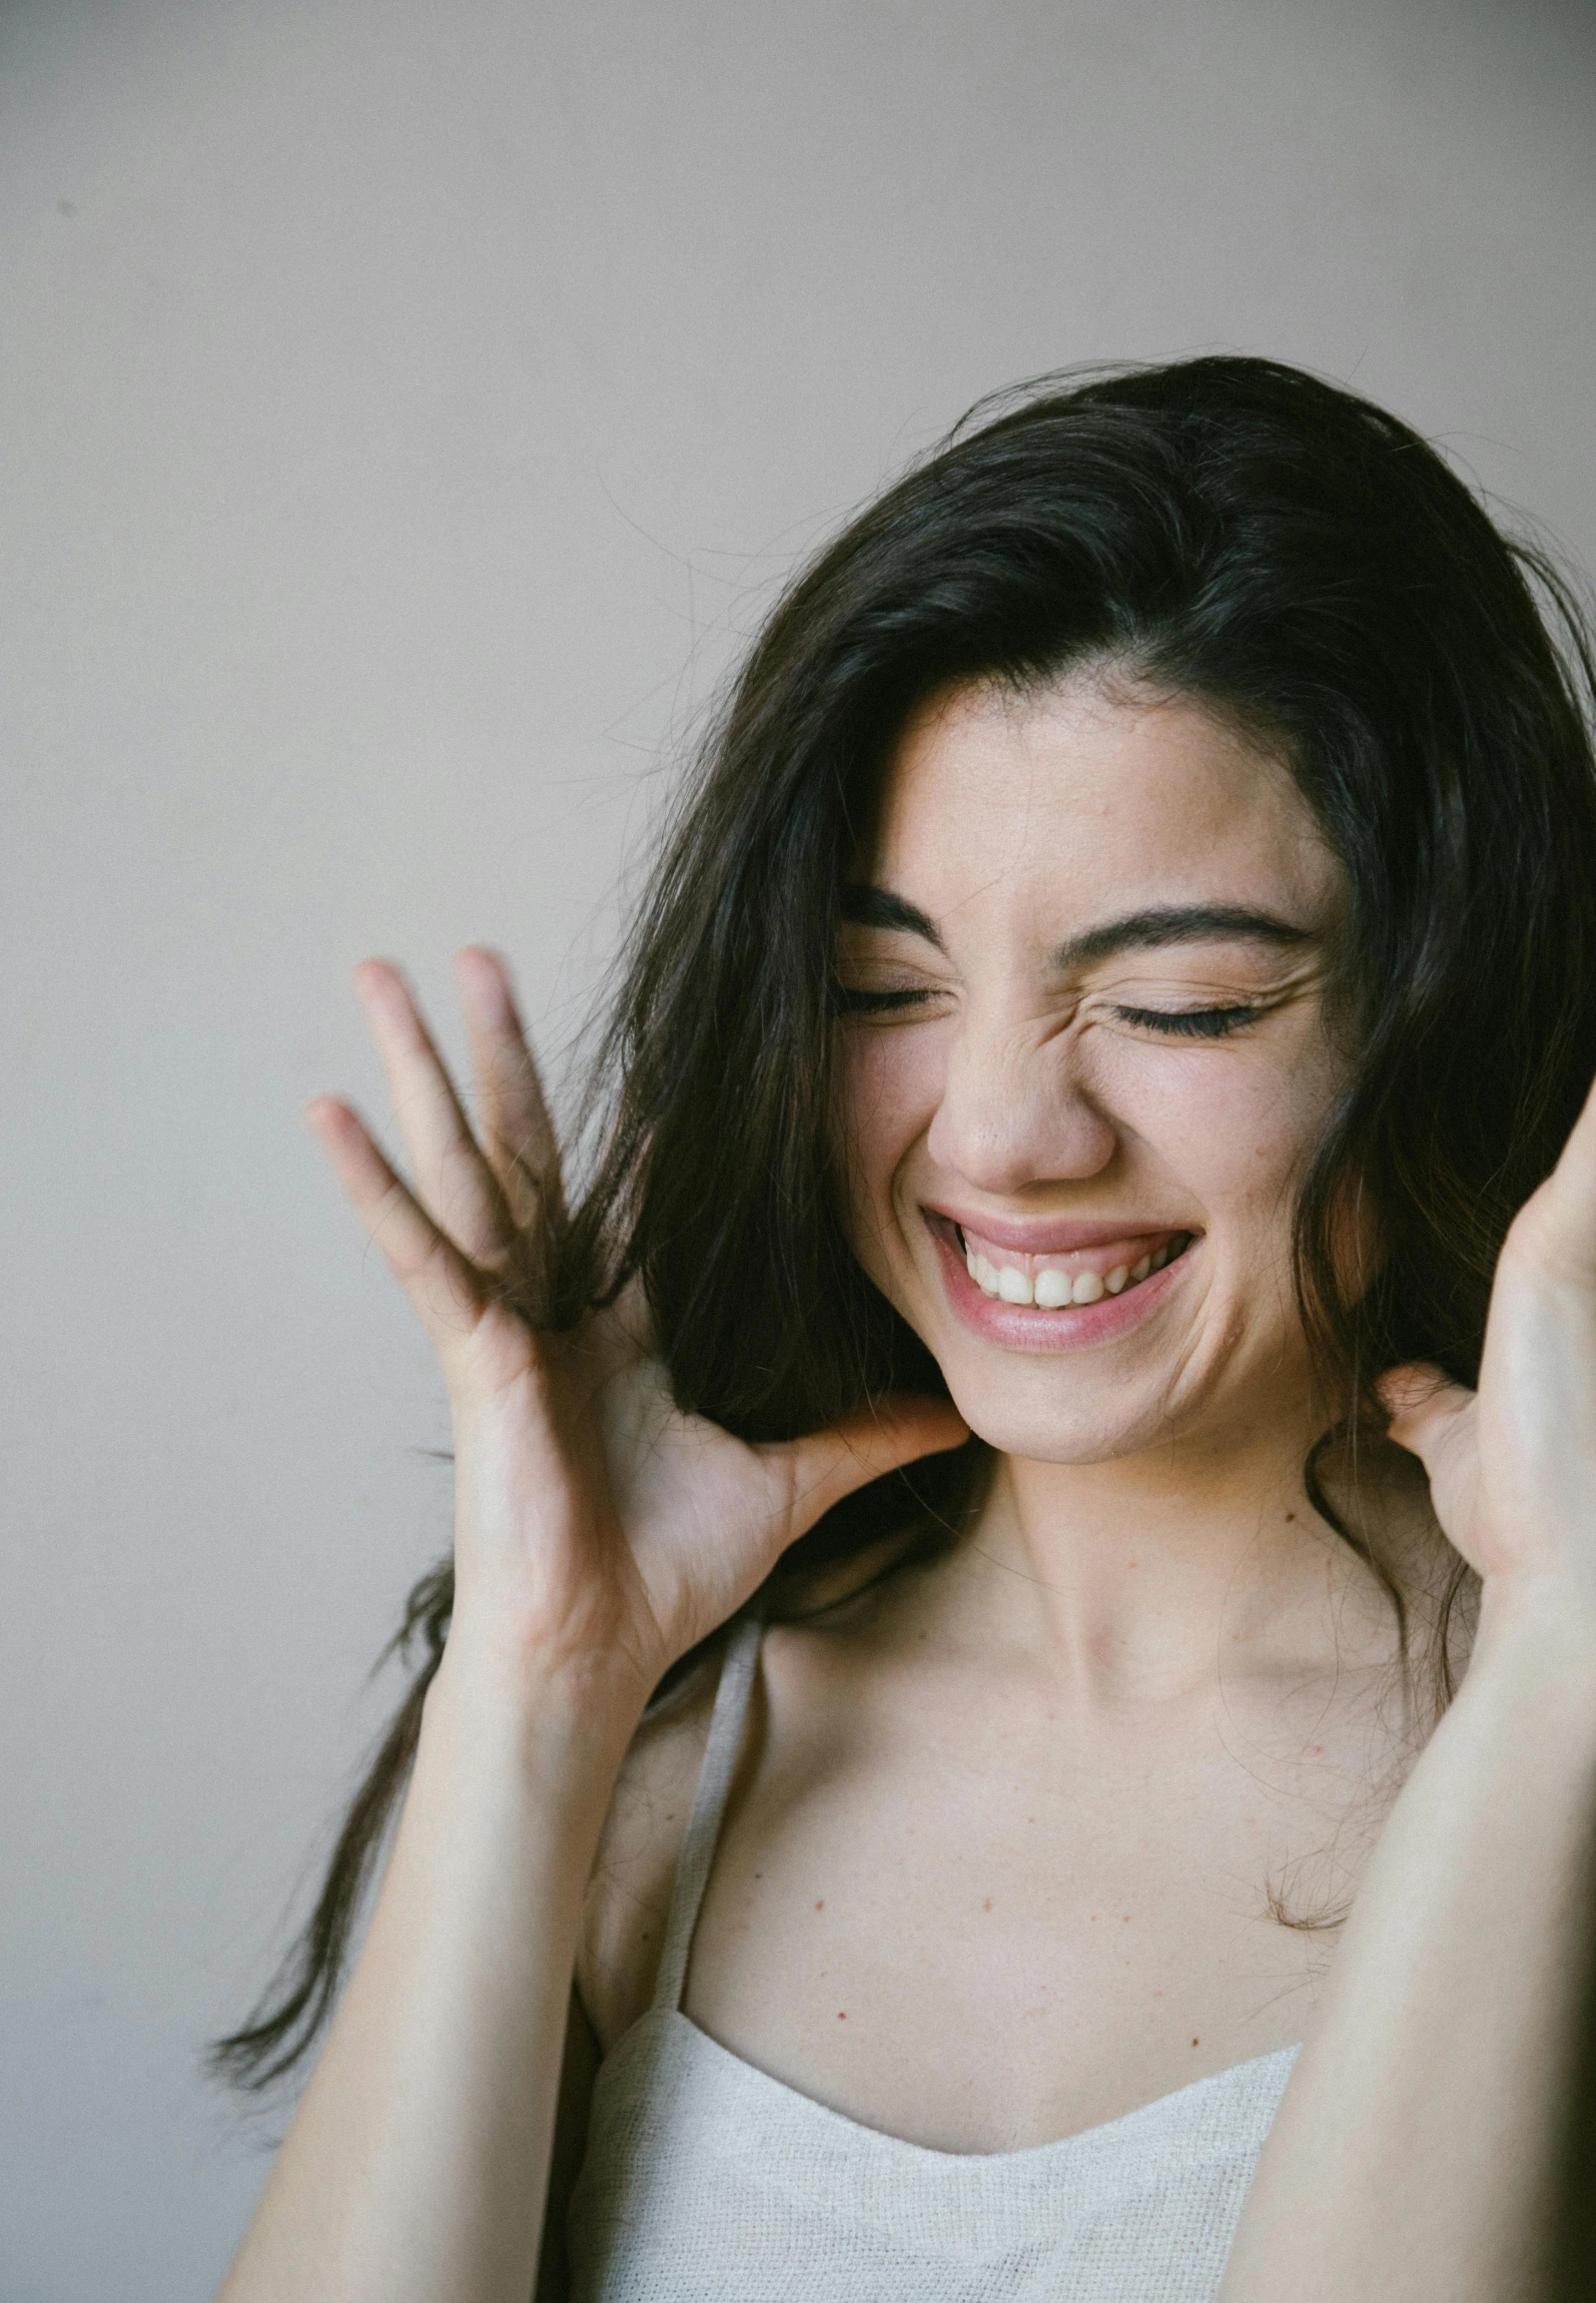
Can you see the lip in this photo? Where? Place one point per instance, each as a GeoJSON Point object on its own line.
{"type": "Point", "coordinates": [1052, 1235]}
{"type": "Point", "coordinates": [1073, 1327]}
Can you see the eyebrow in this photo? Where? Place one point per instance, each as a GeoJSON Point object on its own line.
{"type": "Point", "coordinates": [867, 906]}
{"type": "Point", "coordinates": [1179, 924]}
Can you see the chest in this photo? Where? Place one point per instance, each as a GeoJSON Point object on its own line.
{"type": "Point", "coordinates": [981, 1930]}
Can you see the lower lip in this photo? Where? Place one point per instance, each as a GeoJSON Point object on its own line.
{"type": "Point", "coordinates": [1073, 1327]}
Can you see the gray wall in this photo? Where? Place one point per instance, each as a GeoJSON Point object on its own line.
{"type": "Point", "coordinates": [402, 410]}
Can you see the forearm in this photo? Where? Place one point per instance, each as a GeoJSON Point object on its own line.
{"type": "Point", "coordinates": [414, 2168]}
{"type": "Point", "coordinates": [1419, 2148]}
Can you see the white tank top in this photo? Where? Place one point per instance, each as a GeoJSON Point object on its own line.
{"type": "Point", "coordinates": [709, 2181]}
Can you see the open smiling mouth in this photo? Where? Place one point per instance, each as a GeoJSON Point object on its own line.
{"type": "Point", "coordinates": [1048, 1282]}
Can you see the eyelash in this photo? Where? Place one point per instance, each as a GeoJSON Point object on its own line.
{"type": "Point", "coordinates": [1189, 1023]}
{"type": "Point", "coordinates": [1183, 1024]}
{"type": "Point", "coordinates": [846, 1001]}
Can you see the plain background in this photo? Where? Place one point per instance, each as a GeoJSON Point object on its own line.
{"type": "Point", "coordinates": [404, 410]}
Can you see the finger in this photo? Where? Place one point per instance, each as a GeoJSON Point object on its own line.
{"type": "Point", "coordinates": [518, 1134]}
{"type": "Point", "coordinates": [820, 1471]}
{"type": "Point", "coordinates": [1579, 1152]}
{"type": "Point", "coordinates": [442, 1289]}
{"type": "Point", "coordinates": [452, 1180]}
{"type": "Point", "coordinates": [1560, 1219]}
{"type": "Point", "coordinates": [1426, 1409]}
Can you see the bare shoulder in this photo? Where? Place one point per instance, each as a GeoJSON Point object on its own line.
{"type": "Point", "coordinates": [628, 1894]}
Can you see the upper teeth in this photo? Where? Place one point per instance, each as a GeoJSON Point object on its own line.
{"type": "Point", "coordinates": [1052, 1288]}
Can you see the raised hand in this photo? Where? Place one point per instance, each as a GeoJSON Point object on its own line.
{"type": "Point", "coordinates": [599, 1533]}
{"type": "Point", "coordinates": [1512, 1467]}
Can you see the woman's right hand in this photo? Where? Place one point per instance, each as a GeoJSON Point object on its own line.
{"type": "Point", "coordinates": [599, 1533]}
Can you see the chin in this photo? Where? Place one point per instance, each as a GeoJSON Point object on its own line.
{"type": "Point", "coordinates": [1060, 1430]}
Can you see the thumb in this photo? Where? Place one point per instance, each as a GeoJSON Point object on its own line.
{"type": "Point", "coordinates": [820, 1471]}
{"type": "Point", "coordinates": [1430, 1414]}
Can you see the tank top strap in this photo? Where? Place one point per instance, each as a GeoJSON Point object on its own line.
{"type": "Point", "coordinates": [709, 1806]}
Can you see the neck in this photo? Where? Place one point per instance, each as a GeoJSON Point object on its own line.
{"type": "Point", "coordinates": [1153, 1576]}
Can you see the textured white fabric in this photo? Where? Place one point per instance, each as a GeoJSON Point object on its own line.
{"type": "Point", "coordinates": [709, 2181]}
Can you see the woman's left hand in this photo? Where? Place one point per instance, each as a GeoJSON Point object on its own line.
{"type": "Point", "coordinates": [1512, 1466]}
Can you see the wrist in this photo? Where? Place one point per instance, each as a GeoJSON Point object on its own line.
{"type": "Point", "coordinates": [568, 1723]}
{"type": "Point", "coordinates": [1541, 1629]}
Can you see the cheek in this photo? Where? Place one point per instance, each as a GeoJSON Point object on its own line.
{"type": "Point", "coordinates": [1234, 1131]}
{"type": "Point", "coordinates": [889, 1085]}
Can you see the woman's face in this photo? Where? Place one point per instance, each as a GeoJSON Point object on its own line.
{"type": "Point", "coordinates": [1086, 1058]}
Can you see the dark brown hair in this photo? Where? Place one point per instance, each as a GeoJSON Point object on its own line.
{"type": "Point", "coordinates": [1225, 528]}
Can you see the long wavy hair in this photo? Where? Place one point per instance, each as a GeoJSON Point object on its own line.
{"type": "Point", "coordinates": [1228, 530]}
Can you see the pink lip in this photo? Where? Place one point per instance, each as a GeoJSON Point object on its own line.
{"type": "Point", "coordinates": [1051, 1234]}
{"type": "Point", "coordinates": [1021, 1327]}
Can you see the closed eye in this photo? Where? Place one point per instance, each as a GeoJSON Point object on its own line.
{"type": "Point", "coordinates": [853, 999]}
{"type": "Point", "coordinates": [1188, 1022]}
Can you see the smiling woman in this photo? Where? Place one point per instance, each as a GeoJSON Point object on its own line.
{"type": "Point", "coordinates": [1094, 1117]}
{"type": "Point", "coordinates": [968, 1529]}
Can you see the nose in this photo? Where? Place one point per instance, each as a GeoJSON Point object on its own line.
{"type": "Point", "coordinates": [1014, 1113]}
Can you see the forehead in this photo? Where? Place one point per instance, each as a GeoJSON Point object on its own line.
{"type": "Point", "coordinates": [1086, 794]}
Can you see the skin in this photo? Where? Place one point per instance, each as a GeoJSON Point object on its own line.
{"type": "Point", "coordinates": [1002, 1085]}
{"type": "Point", "coordinates": [1006, 1088]}
{"type": "Point", "coordinates": [995, 1862]}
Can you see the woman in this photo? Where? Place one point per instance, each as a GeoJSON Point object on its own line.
{"type": "Point", "coordinates": [950, 1603]}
